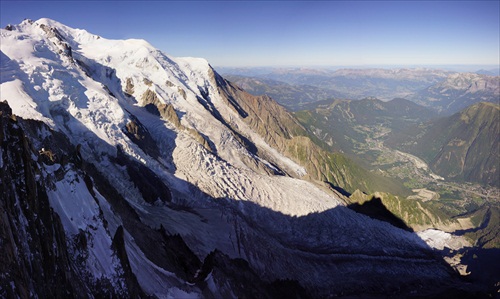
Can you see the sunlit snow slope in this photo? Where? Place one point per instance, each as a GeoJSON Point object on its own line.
{"type": "Point", "coordinates": [97, 106]}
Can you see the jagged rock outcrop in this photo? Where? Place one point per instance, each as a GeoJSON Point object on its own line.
{"type": "Point", "coordinates": [219, 267]}
{"type": "Point", "coordinates": [141, 136]}
{"type": "Point", "coordinates": [129, 87]}
{"type": "Point", "coordinates": [35, 253]}
{"type": "Point", "coordinates": [58, 40]}
{"type": "Point", "coordinates": [153, 104]}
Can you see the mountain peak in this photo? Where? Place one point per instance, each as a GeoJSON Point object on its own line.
{"type": "Point", "coordinates": [49, 22]}
{"type": "Point", "coordinates": [482, 112]}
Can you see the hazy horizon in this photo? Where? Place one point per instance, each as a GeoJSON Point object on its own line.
{"type": "Point", "coordinates": [298, 33]}
{"type": "Point", "coordinates": [450, 67]}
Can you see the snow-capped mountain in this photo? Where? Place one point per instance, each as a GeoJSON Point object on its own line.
{"type": "Point", "coordinates": [130, 173]}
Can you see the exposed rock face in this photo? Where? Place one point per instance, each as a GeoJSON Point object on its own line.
{"type": "Point", "coordinates": [140, 135]}
{"type": "Point", "coordinates": [58, 40]}
{"type": "Point", "coordinates": [129, 87]}
{"type": "Point", "coordinates": [219, 267]}
{"type": "Point", "coordinates": [153, 104]}
{"type": "Point", "coordinates": [148, 183]}
{"type": "Point", "coordinates": [34, 248]}
{"type": "Point", "coordinates": [134, 288]}
{"type": "Point", "coordinates": [151, 101]}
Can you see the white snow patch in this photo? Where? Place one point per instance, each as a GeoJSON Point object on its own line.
{"type": "Point", "coordinates": [153, 279]}
{"type": "Point", "coordinates": [439, 239]}
{"type": "Point", "coordinates": [221, 180]}
{"type": "Point", "coordinates": [20, 102]}
{"type": "Point", "coordinates": [175, 293]}
{"type": "Point", "coordinates": [50, 169]}
{"type": "Point", "coordinates": [78, 211]}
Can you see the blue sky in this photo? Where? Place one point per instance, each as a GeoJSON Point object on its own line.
{"type": "Point", "coordinates": [290, 33]}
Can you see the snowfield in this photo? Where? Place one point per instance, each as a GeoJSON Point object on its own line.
{"type": "Point", "coordinates": [439, 239]}
{"type": "Point", "coordinates": [96, 118]}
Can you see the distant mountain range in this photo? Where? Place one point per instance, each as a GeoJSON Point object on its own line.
{"type": "Point", "coordinates": [356, 84]}
{"type": "Point", "coordinates": [292, 96]}
{"type": "Point", "coordinates": [459, 91]}
{"type": "Point", "coordinates": [489, 72]}
{"type": "Point", "coordinates": [445, 92]}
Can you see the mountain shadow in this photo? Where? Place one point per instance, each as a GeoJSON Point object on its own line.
{"type": "Point", "coordinates": [36, 254]}
{"type": "Point", "coordinates": [483, 265]}
{"type": "Point", "coordinates": [338, 189]}
{"type": "Point", "coordinates": [375, 208]}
